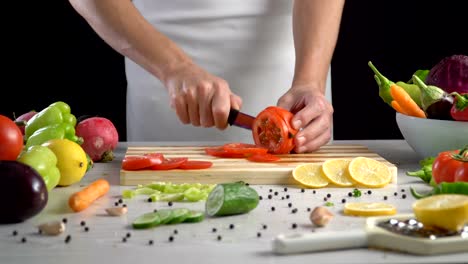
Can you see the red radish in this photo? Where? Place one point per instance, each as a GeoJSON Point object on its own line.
{"type": "Point", "coordinates": [23, 119]}
{"type": "Point", "coordinates": [100, 138]}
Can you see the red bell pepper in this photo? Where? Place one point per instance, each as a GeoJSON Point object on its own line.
{"type": "Point", "coordinates": [459, 110]}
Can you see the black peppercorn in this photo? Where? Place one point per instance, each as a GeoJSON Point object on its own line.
{"type": "Point", "coordinates": [64, 220]}
{"type": "Point", "coordinates": [214, 230]}
{"type": "Point", "coordinates": [385, 197]}
{"type": "Point", "coordinates": [328, 195]}
{"type": "Point", "coordinates": [294, 210]}
{"type": "Point", "coordinates": [276, 193]}
{"type": "Point", "coordinates": [155, 210]}
{"type": "Point", "coordinates": [325, 199]}
{"type": "Point", "coordinates": [343, 200]}
{"type": "Point", "coordinates": [302, 190]}
{"type": "Point", "coordinates": [260, 197]}
{"type": "Point", "coordinates": [176, 232]}
{"type": "Point", "coordinates": [124, 205]}
{"type": "Point", "coordinates": [82, 223]}
{"type": "Point", "coordinates": [231, 226]}
{"type": "Point", "coordinates": [149, 200]}
{"type": "Point", "coordinates": [403, 196]}
{"type": "Point", "coordinates": [395, 193]}
{"type": "Point", "coordinates": [23, 240]}
{"type": "Point", "coordinates": [67, 239]}
{"type": "Point", "coordinates": [219, 237]}
{"type": "Point", "coordinates": [264, 226]}
{"type": "Point", "coordinates": [259, 234]}
{"type": "Point", "coordinates": [285, 189]}
{"type": "Point", "coordinates": [308, 209]}
{"type": "Point", "coordinates": [289, 205]}
{"type": "Point", "coordinates": [272, 208]}
{"type": "Point", "coordinates": [124, 239]}
{"type": "Point", "coordinates": [270, 196]}
{"type": "Point", "coordinates": [150, 242]}
{"type": "Point", "coordinates": [171, 238]}
{"type": "Point", "coordinates": [129, 235]}
{"type": "Point", "coordinates": [314, 192]}
{"type": "Point", "coordinates": [294, 225]}
{"type": "Point", "coordinates": [350, 194]}
{"type": "Point", "coordinates": [169, 203]}
{"type": "Point", "coordinates": [120, 201]}
{"type": "Point", "coordinates": [287, 196]}
{"type": "Point", "coordinates": [271, 190]}
{"type": "Point", "coordinates": [86, 229]}
{"type": "Point", "coordinates": [117, 203]}
{"type": "Point", "coordinates": [369, 192]}
{"type": "Point", "coordinates": [15, 233]}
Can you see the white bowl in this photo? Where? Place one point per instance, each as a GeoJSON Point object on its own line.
{"type": "Point", "coordinates": [429, 137]}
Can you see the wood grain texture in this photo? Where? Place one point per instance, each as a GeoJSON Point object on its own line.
{"type": "Point", "coordinates": [226, 170]}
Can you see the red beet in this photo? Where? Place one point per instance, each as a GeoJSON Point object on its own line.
{"type": "Point", "coordinates": [100, 138]}
{"type": "Point", "coordinates": [23, 119]}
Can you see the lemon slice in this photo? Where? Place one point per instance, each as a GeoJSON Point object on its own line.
{"type": "Point", "coordinates": [369, 172]}
{"type": "Point", "coordinates": [447, 211]}
{"type": "Point", "coordinates": [336, 171]}
{"type": "Point", "coordinates": [369, 209]}
{"type": "Point", "coordinates": [310, 175]}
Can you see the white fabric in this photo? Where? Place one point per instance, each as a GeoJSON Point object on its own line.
{"type": "Point", "coordinates": [248, 43]}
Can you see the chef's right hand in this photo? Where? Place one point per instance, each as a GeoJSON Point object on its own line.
{"type": "Point", "coordinates": [200, 98]}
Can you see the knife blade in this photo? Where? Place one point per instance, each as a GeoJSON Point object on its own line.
{"type": "Point", "coordinates": [239, 119]}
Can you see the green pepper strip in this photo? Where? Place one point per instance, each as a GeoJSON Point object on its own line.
{"type": "Point", "coordinates": [444, 188]}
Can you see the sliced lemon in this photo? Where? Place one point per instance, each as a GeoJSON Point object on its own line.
{"type": "Point", "coordinates": [369, 172]}
{"type": "Point", "coordinates": [310, 175]}
{"type": "Point", "coordinates": [336, 171]}
{"type": "Point", "coordinates": [369, 209]}
{"type": "Point", "coordinates": [447, 211]}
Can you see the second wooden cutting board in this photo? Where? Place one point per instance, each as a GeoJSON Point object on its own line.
{"type": "Point", "coordinates": [229, 170]}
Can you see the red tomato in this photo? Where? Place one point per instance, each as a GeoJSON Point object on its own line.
{"type": "Point", "coordinates": [272, 130]}
{"type": "Point", "coordinates": [169, 164]}
{"type": "Point", "coordinates": [11, 139]}
{"type": "Point", "coordinates": [263, 158]}
{"type": "Point", "coordinates": [450, 166]}
{"type": "Point", "coordinates": [136, 162]}
{"type": "Point", "coordinates": [156, 158]}
{"type": "Point", "coordinates": [196, 165]}
{"type": "Point", "coordinates": [244, 148]}
{"type": "Point", "coordinates": [222, 153]}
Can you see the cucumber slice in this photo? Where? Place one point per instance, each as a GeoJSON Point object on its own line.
{"type": "Point", "coordinates": [230, 199]}
{"type": "Point", "coordinates": [195, 217]}
{"type": "Point", "coordinates": [165, 215]}
{"type": "Point", "coordinates": [179, 215]}
{"type": "Point", "coordinates": [147, 220]}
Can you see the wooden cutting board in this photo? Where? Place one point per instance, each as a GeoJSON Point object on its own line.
{"type": "Point", "coordinates": [228, 170]}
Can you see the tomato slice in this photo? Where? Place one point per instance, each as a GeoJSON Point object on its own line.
{"type": "Point", "coordinates": [169, 164]}
{"type": "Point", "coordinates": [244, 148]}
{"type": "Point", "coordinates": [263, 158]}
{"type": "Point", "coordinates": [196, 165]}
{"type": "Point", "coordinates": [220, 152]}
{"type": "Point", "coordinates": [156, 158]}
{"type": "Point", "coordinates": [136, 162]}
{"type": "Point", "coordinates": [270, 130]}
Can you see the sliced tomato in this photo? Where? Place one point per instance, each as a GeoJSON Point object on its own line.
{"type": "Point", "coordinates": [136, 162]}
{"type": "Point", "coordinates": [220, 152]}
{"type": "Point", "coordinates": [263, 158]}
{"type": "Point", "coordinates": [271, 130]}
{"type": "Point", "coordinates": [195, 165]}
{"type": "Point", "coordinates": [169, 164]}
{"type": "Point", "coordinates": [244, 149]}
{"type": "Point", "coordinates": [156, 158]}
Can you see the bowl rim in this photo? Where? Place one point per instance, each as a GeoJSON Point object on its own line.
{"type": "Point", "coordinates": [429, 119]}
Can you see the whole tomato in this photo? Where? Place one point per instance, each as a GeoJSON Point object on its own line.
{"type": "Point", "coordinates": [11, 139]}
{"type": "Point", "coordinates": [450, 166]}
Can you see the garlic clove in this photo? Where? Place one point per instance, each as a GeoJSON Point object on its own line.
{"type": "Point", "coordinates": [116, 211]}
{"type": "Point", "coordinates": [53, 228]}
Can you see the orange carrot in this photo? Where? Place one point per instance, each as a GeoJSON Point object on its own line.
{"type": "Point", "coordinates": [85, 197]}
{"type": "Point", "coordinates": [405, 101]}
{"type": "Point", "coordinates": [397, 107]}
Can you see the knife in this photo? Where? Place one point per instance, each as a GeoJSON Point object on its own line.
{"type": "Point", "coordinates": [237, 118]}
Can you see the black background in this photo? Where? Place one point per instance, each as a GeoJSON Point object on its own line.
{"type": "Point", "coordinates": [398, 36]}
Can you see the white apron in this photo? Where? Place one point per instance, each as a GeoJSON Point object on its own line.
{"type": "Point", "coordinates": [247, 43]}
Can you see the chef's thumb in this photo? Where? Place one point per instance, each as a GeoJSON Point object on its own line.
{"type": "Point", "coordinates": [236, 102]}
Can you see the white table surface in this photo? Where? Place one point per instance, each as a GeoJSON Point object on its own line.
{"type": "Point", "coordinates": [196, 243]}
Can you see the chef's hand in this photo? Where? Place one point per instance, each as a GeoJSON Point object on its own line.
{"type": "Point", "coordinates": [200, 98]}
{"type": "Point", "coordinates": [313, 116]}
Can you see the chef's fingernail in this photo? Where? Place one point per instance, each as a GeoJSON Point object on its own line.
{"type": "Point", "coordinates": [297, 124]}
{"type": "Point", "coordinates": [300, 140]}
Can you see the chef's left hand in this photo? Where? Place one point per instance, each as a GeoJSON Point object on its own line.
{"type": "Point", "coordinates": [313, 116]}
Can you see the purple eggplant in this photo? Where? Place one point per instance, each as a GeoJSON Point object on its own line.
{"type": "Point", "coordinates": [435, 102]}
{"type": "Point", "coordinates": [24, 194]}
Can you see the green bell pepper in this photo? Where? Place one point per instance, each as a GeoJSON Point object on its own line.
{"type": "Point", "coordinates": [44, 161]}
{"type": "Point", "coordinates": [56, 113]}
{"type": "Point", "coordinates": [55, 131]}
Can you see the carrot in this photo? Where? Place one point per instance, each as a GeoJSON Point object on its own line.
{"type": "Point", "coordinates": [405, 101]}
{"type": "Point", "coordinates": [397, 107]}
{"type": "Point", "coordinates": [85, 197]}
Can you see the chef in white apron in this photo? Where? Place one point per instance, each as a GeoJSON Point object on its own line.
{"type": "Point", "coordinates": [186, 58]}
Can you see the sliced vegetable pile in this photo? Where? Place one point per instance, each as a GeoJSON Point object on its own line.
{"type": "Point", "coordinates": [167, 217]}
{"type": "Point", "coordinates": [166, 191]}
{"type": "Point", "coordinates": [250, 152]}
{"type": "Point", "coordinates": [157, 161]}
{"type": "Point", "coordinates": [438, 93]}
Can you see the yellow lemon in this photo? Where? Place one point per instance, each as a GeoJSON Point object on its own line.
{"type": "Point", "coordinates": [71, 160]}
{"type": "Point", "coordinates": [336, 171]}
{"type": "Point", "coordinates": [447, 211]}
{"type": "Point", "coordinates": [369, 209]}
{"type": "Point", "coordinates": [369, 172]}
{"type": "Point", "coordinates": [310, 175]}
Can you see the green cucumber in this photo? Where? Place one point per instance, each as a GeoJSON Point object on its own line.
{"type": "Point", "coordinates": [165, 215]}
{"type": "Point", "coordinates": [230, 199]}
{"type": "Point", "coordinates": [195, 217]}
{"type": "Point", "coordinates": [147, 220]}
{"type": "Point", "coordinates": [179, 215]}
